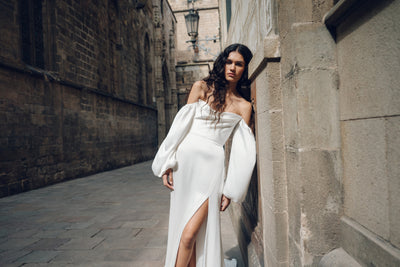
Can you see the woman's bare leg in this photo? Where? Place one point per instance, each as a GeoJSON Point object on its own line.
{"type": "Point", "coordinates": [189, 235]}
{"type": "Point", "coordinates": [192, 262]}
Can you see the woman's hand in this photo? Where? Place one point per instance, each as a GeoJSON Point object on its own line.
{"type": "Point", "coordinates": [168, 180]}
{"type": "Point", "coordinates": [224, 202]}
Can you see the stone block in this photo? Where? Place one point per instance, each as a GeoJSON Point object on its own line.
{"type": "Point", "coordinates": [282, 246]}
{"type": "Point", "coordinates": [39, 256]}
{"type": "Point", "coordinates": [366, 188]}
{"type": "Point", "coordinates": [262, 92]}
{"type": "Point", "coordinates": [290, 116]}
{"type": "Point", "coordinates": [368, 60]}
{"type": "Point", "coordinates": [295, 256]}
{"type": "Point", "coordinates": [273, 188]}
{"type": "Point", "coordinates": [159, 240]}
{"type": "Point", "coordinates": [317, 109]}
{"type": "Point", "coordinates": [50, 234]}
{"type": "Point", "coordinates": [309, 87]}
{"type": "Point", "coordinates": [303, 11]}
{"type": "Point", "coordinates": [47, 244]}
{"type": "Point", "coordinates": [314, 47]}
{"type": "Point", "coordinates": [126, 243]}
{"type": "Point", "coordinates": [270, 234]}
{"type": "Point", "coordinates": [338, 258]}
{"type": "Point", "coordinates": [117, 233]}
{"type": "Point", "coordinates": [81, 243]}
{"type": "Point", "coordinates": [9, 256]}
{"type": "Point", "coordinates": [142, 263]}
{"type": "Point", "coordinates": [273, 75]}
{"type": "Point", "coordinates": [17, 243]}
{"type": "Point", "coordinates": [392, 126]}
{"type": "Point", "coordinates": [263, 135]}
{"type": "Point", "coordinates": [275, 234]}
{"type": "Point", "coordinates": [143, 254]}
{"type": "Point", "coordinates": [266, 182]}
{"type": "Point", "coordinates": [268, 50]}
{"type": "Point", "coordinates": [75, 257]}
{"type": "Point", "coordinates": [367, 247]}
{"type": "Point", "coordinates": [79, 225]}
{"type": "Point", "coordinates": [321, 200]}
{"type": "Point", "coordinates": [140, 224]}
{"type": "Point", "coordinates": [294, 191]}
{"type": "Point", "coordinates": [286, 17]}
{"type": "Point", "coordinates": [276, 126]}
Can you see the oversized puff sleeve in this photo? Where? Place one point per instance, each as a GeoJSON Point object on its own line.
{"type": "Point", "coordinates": [165, 157]}
{"type": "Point", "coordinates": [241, 163]}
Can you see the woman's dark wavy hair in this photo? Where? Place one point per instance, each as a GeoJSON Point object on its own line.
{"type": "Point", "coordinates": [217, 79]}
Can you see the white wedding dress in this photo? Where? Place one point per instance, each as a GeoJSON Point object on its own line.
{"type": "Point", "coordinates": [194, 149]}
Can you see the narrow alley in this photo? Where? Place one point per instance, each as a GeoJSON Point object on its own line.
{"type": "Point", "coordinates": [115, 218]}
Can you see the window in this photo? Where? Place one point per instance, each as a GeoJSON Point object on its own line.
{"type": "Point", "coordinates": [228, 13]}
{"type": "Point", "coordinates": [32, 32]}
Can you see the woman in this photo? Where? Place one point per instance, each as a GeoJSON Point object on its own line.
{"type": "Point", "coordinates": [191, 160]}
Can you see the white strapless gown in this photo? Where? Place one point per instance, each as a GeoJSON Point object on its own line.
{"type": "Point", "coordinates": [194, 149]}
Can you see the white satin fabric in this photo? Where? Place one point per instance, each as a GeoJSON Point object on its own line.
{"type": "Point", "coordinates": [194, 149]}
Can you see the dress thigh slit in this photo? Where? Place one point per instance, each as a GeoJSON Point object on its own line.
{"type": "Point", "coordinates": [201, 231]}
{"type": "Point", "coordinates": [194, 184]}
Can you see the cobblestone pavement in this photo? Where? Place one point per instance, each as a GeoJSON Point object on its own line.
{"type": "Point", "coordinates": [115, 218]}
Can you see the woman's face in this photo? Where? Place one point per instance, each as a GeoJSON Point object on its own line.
{"type": "Point", "coordinates": [234, 67]}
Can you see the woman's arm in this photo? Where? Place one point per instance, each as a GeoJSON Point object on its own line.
{"type": "Point", "coordinates": [224, 203]}
{"type": "Point", "coordinates": [197, 91]}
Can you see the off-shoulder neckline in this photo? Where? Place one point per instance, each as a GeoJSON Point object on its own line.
{"type": "Point", "coordinates": [224, 112]}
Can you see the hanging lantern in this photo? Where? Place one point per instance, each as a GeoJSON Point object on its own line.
{"type": "Point", "coordinates": [192, 23]}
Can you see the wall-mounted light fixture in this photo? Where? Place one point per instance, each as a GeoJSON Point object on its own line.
{"type": "Point", "coordinates": [192, 26]}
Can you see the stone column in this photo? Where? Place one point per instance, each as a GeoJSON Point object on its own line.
{"type": "Point", "coordinates": [264, 70]}
{"type": "Point", "coordinates": [312, 141]}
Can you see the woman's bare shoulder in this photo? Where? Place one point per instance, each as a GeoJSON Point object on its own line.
{"type": "Point", "coordinates": [246, 108]}
{"type": "Point", "coordinates": [201, 87]}
{"type": "Point", "coordinates": [199, 91]}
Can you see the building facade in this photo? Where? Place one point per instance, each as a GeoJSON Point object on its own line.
{"type": "Point", "coordinates": [326, 94]}
{"type": "Point", "coordinates": [81, 88]}
{"type": "Point", "coordinates": [194, 63]}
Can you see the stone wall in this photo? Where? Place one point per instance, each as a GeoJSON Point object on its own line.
{"type": "Point", "coordinates": [77, 89]}
{"type": "Point", "coordinates": [326, 109]}
{"type": "Point", "coordinates": [164, 66]}
{"type": "Point", "coordinates": [52, 132]}
{"type": "Point", "coordinates": [368, 56]}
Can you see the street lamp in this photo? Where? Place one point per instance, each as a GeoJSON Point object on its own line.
{"type": "Point", "coordinates": [192, 25]}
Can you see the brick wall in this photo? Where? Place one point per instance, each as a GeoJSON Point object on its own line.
{"type": "Point", "coordinates": [88, 110]}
